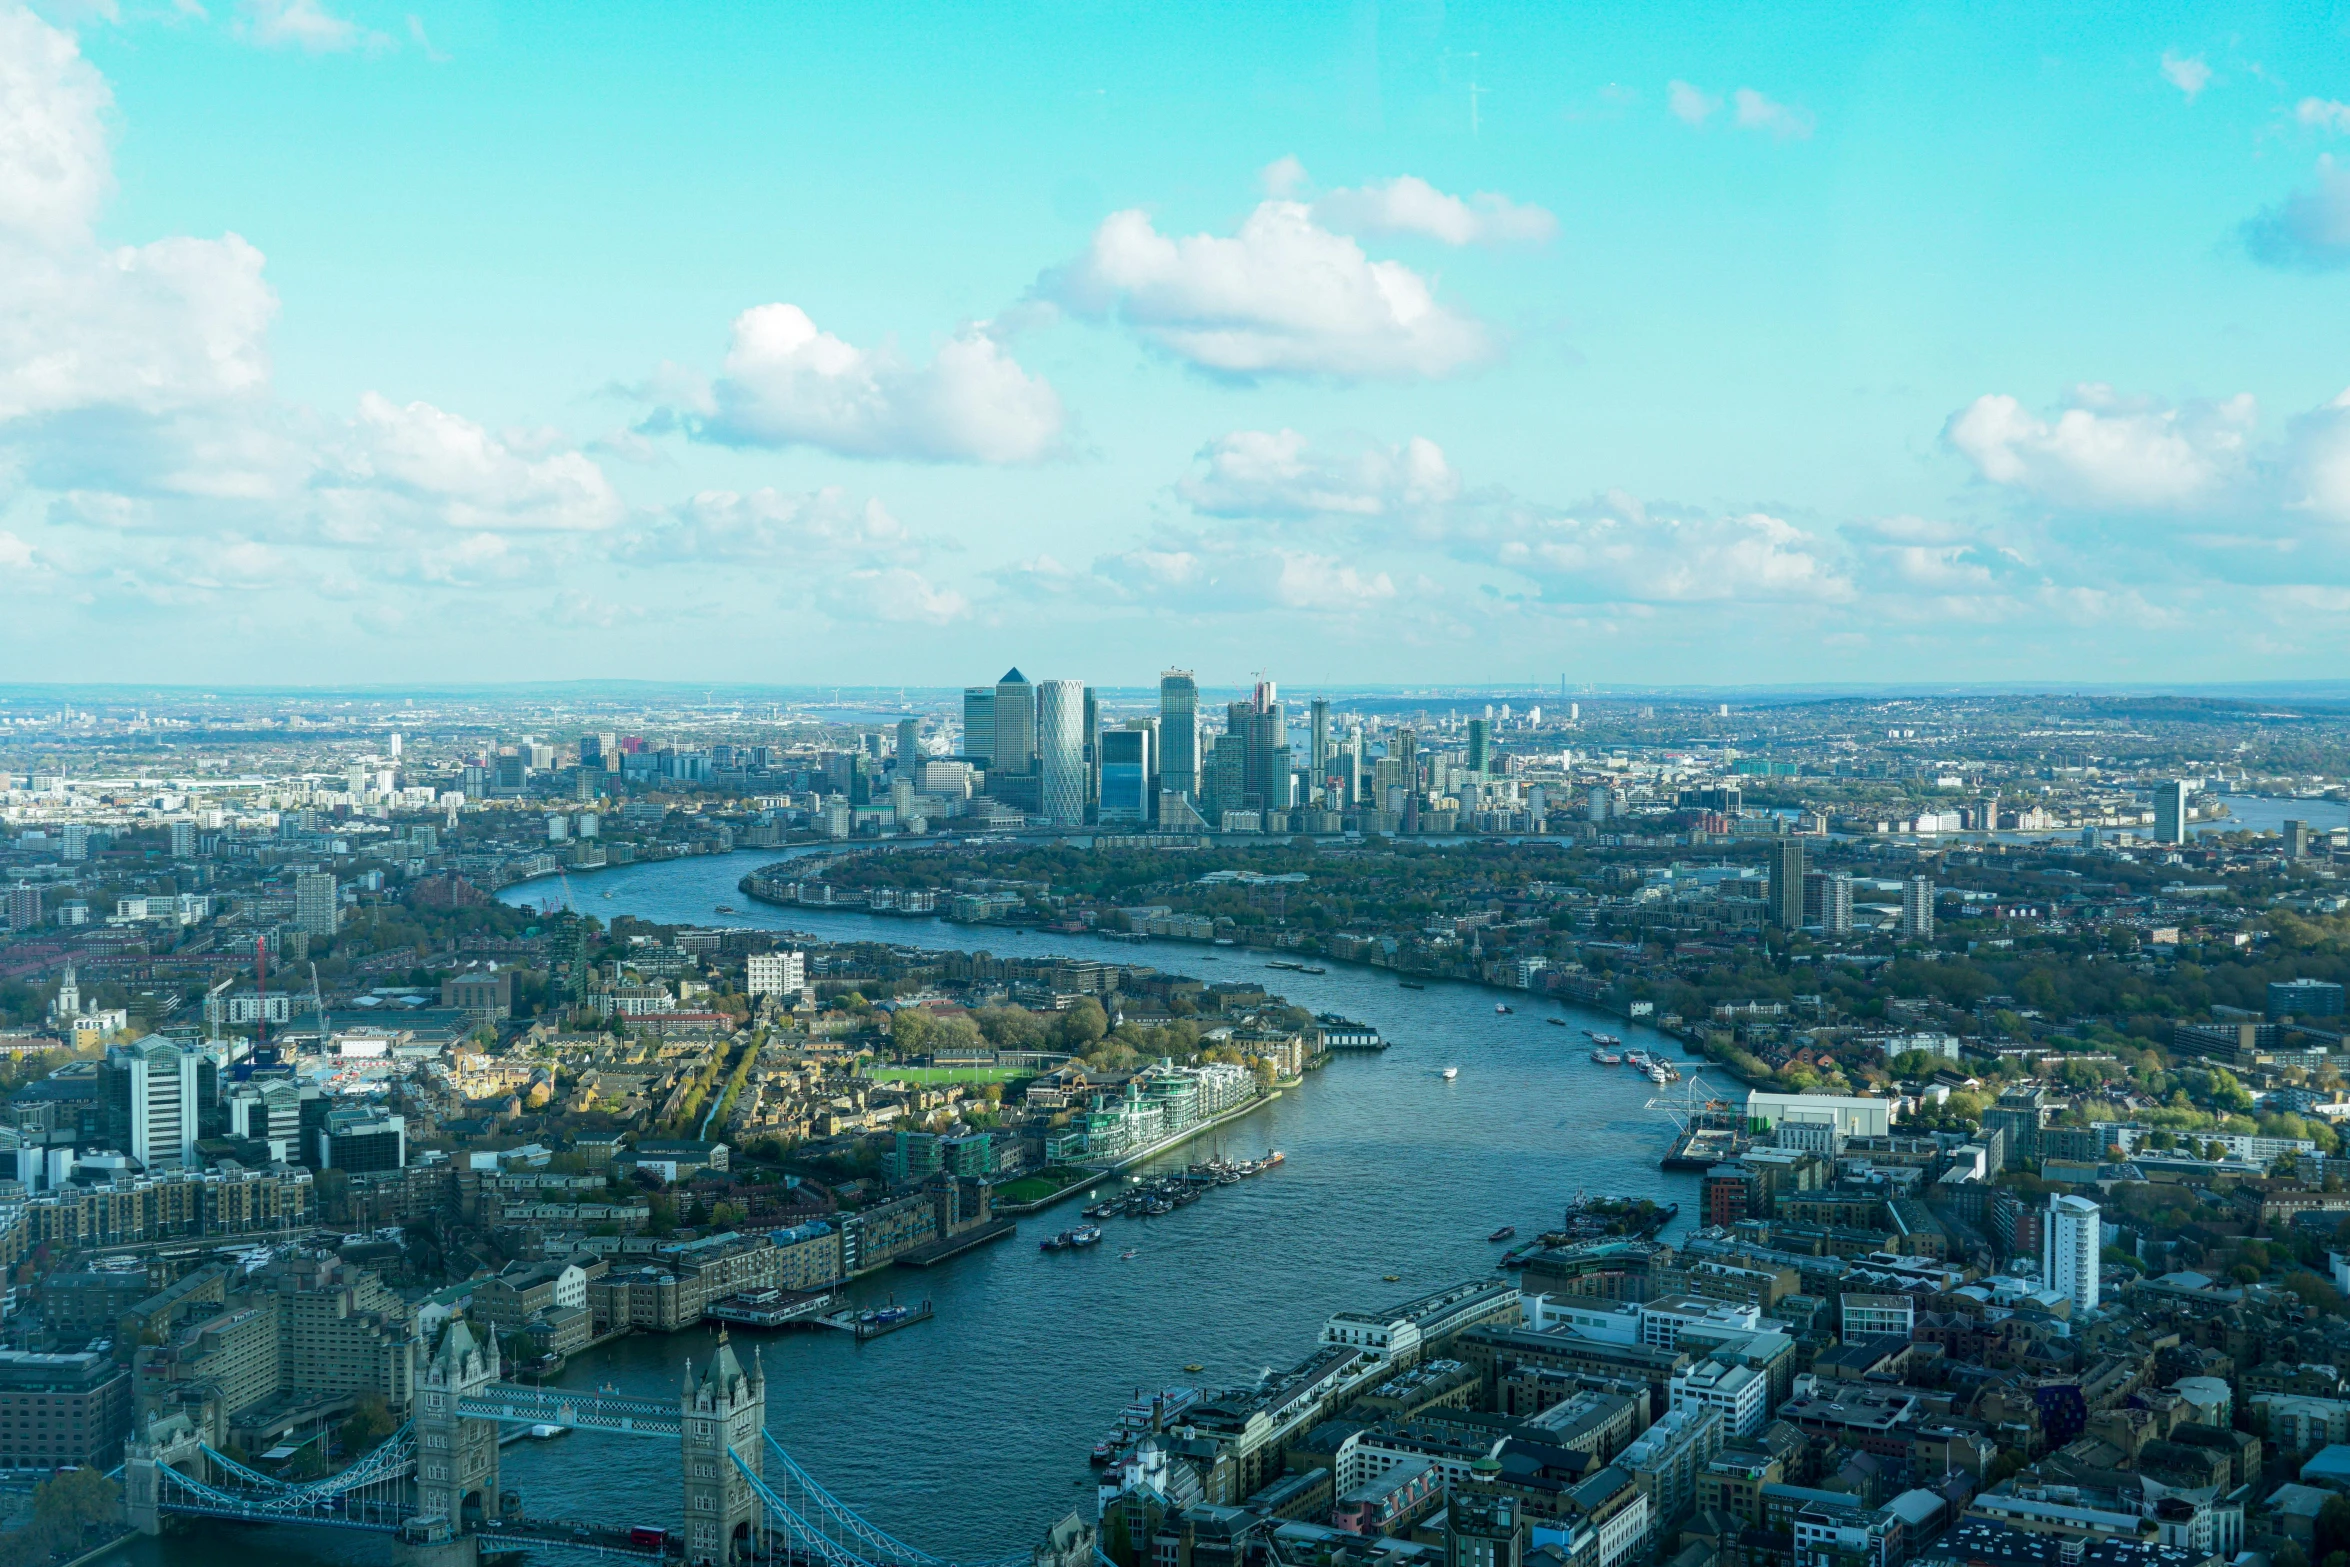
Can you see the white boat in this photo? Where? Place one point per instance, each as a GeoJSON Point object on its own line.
{"type": "Point", "coordinates": [1451, 1072]}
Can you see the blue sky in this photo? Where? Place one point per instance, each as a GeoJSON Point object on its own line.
{"type": "Point", "coordinates": [1372, 343]}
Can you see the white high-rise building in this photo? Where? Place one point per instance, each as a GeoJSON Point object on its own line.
{"type": "Point", "coordinates": [163, 1102]}
{"type": "Point", "coordinates": [316, 909]}
{"type": "Point", "coordinates": [775, 973]}
{"type": "Point", "coordinates": [2069, 1246]}
{"type": "Point", "coordinates": [1060, 751]}
{"type": "Point", "coordinates": [1917, 908]}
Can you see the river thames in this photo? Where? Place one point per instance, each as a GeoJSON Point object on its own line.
{"type": "Point", "coordinates": [969, 1435]}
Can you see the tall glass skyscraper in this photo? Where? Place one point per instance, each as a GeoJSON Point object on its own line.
{"type": "Point", "coordinates": [1319, 757]}
{"type": "Point", "coordinates": [1015, 725]}
{"type": "Point", "coordinates": [979, 724]}
{"type": "Point", "coordinates": [1126, 776]}
{"type": "Point", "coordinates": [1060, 749]}
{"type": "Point", "coordinates": [1179, 733]}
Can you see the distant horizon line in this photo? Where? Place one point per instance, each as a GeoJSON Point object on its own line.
{"type": "Point", "coordinates": [830, 692]}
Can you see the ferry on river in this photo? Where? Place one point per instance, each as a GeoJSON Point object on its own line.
{"type": "Point", "coordinates": [1451, 1072]}
{"type": "Point", "coordinates": [1605, 1040]}
{"type": "Point", "coordinates": [1604, 1058]}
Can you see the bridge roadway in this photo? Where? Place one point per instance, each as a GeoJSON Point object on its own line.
{"type": "Point", "coordinates": [513, 1403]}
{"type": "Point", "coordinates": [801, 1520]}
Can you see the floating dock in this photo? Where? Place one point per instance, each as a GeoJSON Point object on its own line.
{"type": "Point", "coordinates": [865, 1325]}
{"type": "Point", "coordinates": [769, 1308]}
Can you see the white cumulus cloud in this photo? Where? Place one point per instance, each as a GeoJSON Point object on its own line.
{"type": "Point", "coordinates": [1620, 551]}
{"type": "Point", "coordinates": [773, 528]}
{"type": "Point", "coordinates": [1278, 473]}
{"type": "Point", "coordinates": [787, 383]}
{"type": "Point", "coordinates": [896, 594]}
{"type": "Point", "coordinates": [1408, 204]}
{"type": "Point", "coordinates": [1690, 104]}
{"type": "Point", "coordinates": [2309, 231]}
{"type": "Point", "coordinates": [2323, 114]}
{"type": "Point", "coordinates": [467, 478]}
{"type": "Point", "coordinates": [1228, 577]}
{"type": "Point", "coordinates": [1750, 110]}
{"type": "Point", "coordinates": [1754, 112]}
{"type": "Point", "coordinates": [298, 24]}
{"type": "Point", "coordinates": [1282, 297]}
{"type": "Point", "coordinates": [54, 171]}
{"type": "Point", "coordinates": [2187, 72]}
{"type": "Point", "coordinates": [2317, 465]}
{"type": "Point", "coordinates": [2107, 452]}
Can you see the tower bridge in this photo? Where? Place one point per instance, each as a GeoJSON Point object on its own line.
{"type": "Point", "coordinates": [434, 1482]}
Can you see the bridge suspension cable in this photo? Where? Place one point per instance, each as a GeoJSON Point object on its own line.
{"type": "Point", "coordinates": [824, 1525]}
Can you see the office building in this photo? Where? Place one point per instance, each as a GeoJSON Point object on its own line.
{"type": "Point", "coordinates": [2298, 839]}
{"type": "Point", "coordinates": [362, 1139]}
{"type": "Point", "coordinates": [1269, 762]}
{"type": "Point", "coordinates": [1224, 782]}
{"type": "Point", "coordinates": [1060, 750]}
{"type": "Point", "coordinates": [2069, 1245]}
{"type": "Point", "coordinates": [317, 911]}
{"type": "Point", "coordinates": [2170, 811]}
{"type": "Point", "coordinates": [909, 743]}
{"type": "Point", "coordinates": [1785, 892]}
{"type": "Point", "coordinates": [1179, 733]}
{"type": "Point", "coordinates": [1127, 788]}
{"type": "Point", "coordinates": [63, 1411]}
{"type": "Point", "coordinates": [1480, 746]}
{"type": "Point", "coordinates": [979, 724]}
{"type": "Point", "coordinates": [1015, 725]}
{"type": "Point", "coordinates": [1917, 909]}
{"type": "Point", "coordinates": [775, 973]}
{"type": "Point", "coordinates": [153, 1093]}
{"type": "Point", "coordinates": [268, 1112]}
{"type": "Point", "coordinates": [1091, 729]}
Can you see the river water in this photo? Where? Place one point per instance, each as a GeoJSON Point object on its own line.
{"type": "Point", "coordinates": [968, 1435]}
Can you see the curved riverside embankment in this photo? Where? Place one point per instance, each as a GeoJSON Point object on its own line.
{"type": "Point", "coordinates": [968, 1434]}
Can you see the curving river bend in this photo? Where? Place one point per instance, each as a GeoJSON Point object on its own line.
{"type": "Point", "coordinates": [969, 1435]}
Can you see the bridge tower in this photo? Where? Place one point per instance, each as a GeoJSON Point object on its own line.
{"type": "Point", "coordinates": [725, 1412]}
{"type": "Point", "coordinates": [172, 1442]}
{"type": "Point", "coordinates": [456, 1457]}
